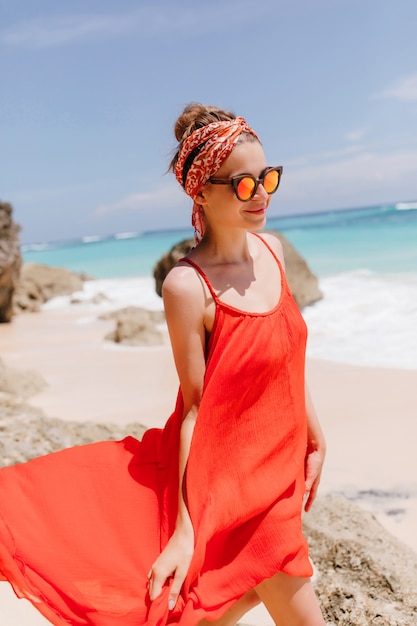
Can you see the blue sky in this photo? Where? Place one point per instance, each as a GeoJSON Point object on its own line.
{"type": "Point", "coordinates": [90, 90]}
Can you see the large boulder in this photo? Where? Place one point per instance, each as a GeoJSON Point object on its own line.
{"type": "Point", "coordinates": [364, 574]}
{"type": "Point", "coordinates": [302, 282]}
{"type": "Point", "coordinates": [136, 326]}
{"type": "Point", "coordinates": [10, 260]}
{"type": "Point", "coordinates": [40, 283]}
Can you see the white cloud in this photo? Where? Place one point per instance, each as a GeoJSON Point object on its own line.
{"type": "Point", "coordinates": [165, 198]}
{"type": "Point", "coordinates": [52, 31]}
{"type": "Point", "coordinates": [404, 89]}
{"type": "Point", "coordinates": [44, 32]}
{"type": "Point", "coordinates": [356, 135]}
{"type": "Point", "coordinates": [364, 177]}
{"type": "Point", "coordinates": [325, 156]}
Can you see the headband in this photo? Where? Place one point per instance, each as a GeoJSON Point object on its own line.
{"type": "Point", "coordinates": [201, 155]}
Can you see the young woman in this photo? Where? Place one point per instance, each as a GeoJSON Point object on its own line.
{"type": "Point", "coordinates": [201, 520]}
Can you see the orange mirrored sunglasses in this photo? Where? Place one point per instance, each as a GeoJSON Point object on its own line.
{"type": "Point", "coordinates": [245, 185]}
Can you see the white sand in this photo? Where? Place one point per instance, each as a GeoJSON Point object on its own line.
{"type": "Point", "coordinates": [368, 414]}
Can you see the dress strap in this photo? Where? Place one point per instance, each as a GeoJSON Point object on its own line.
{"type": "Point", "coordinates": [270, 249]}
{"type": "Point", "coordinates": [203, 276]}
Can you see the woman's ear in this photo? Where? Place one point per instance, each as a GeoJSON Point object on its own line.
{"type": "Point", "coordinates": [200, 198]}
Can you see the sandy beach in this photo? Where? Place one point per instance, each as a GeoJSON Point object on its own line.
{"type": "Point", "coordinates": [368, 414]}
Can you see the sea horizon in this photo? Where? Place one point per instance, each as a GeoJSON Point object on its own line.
{"type": "Point", "coordinates": [130, 234]}
{"type": "Point", "coordinates": [330, 241]}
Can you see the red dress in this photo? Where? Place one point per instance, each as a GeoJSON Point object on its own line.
{"type": "Point", "coordinates": [80, 529]}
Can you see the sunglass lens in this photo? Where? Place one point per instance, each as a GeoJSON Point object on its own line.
{"type": "Point", "coordinates": [244, 188]}
{"type": "Point", "coordinates": [271, 181]}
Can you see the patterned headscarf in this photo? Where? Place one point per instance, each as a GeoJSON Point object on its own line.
{"type": "Point", "coordinates": [201, 155]}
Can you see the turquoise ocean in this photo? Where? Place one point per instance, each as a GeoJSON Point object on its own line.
{"type": "Point", "coordinates": [365, 259]}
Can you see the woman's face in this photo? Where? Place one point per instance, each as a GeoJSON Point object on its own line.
{"type": "Point", "coordinates": [220, 204]}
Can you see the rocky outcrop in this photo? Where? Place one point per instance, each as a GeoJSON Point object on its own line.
{"type": "Point", "coordinates": [39, 283]}
{"type": "Point", "coordinates": [26, 432]}
{"type": "Point", "coordinates": [302, 282]}
{"type": "Point", "coordinates": [10, 260]}
{"type": "Point", "coordinates": [365, 575]}
{"type": "Point", "coordinates": [20, 383]}
{"type": "Point", "coordinates": [168, 260]}
{"type": "Point", "coordinates": [136, 326]}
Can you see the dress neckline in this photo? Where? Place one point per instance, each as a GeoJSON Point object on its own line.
{"type": "Point", "coordinates": [230, 307]}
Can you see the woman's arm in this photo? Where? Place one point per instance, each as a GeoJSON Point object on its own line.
{"type": "Point", "coordinates": [316, 451]}
{"type": "Point", "coordinates": [184, 303]}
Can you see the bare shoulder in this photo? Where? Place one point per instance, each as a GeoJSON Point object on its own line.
{"type": "Point", "coordinates": [275, 244]}
{"type": "Point", "coordinates": [182, 284]}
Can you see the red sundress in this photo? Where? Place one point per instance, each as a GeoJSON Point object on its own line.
{"type": "Point", "coordinates": [80, 529]}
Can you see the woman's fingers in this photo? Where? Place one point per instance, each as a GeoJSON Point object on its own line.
{"type": "Point", "coordinates": [311, 496]}
{"type": "Point", "coordinates": [157, 578]}
{"type": "Point", "coordinates": [172, 563]}
{"type": "Point", "coordinates": [177, 583]}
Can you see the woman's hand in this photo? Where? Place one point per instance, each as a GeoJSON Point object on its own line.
{"type": "Point", "coordinates": [316, 451]}
{"type": "Point", "coordinates": [313, 467]}
{"type": "Point", "coordinates": [174, 560]}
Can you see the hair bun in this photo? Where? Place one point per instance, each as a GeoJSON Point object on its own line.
{"type": "Point", "coordinates": [196, 115]}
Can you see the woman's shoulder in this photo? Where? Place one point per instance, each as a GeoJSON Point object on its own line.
{"type": "Point", "coordinates": [182, 281]}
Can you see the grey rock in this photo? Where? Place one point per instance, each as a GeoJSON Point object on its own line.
{"type": "Point", "coordinates": [39, 283]}
{"type": "Point", "coordinates": [10, 261]}
{"type": "Point", "coordinates": [135, 326]}
{"type": "Point", "coordinates": [365, 575]}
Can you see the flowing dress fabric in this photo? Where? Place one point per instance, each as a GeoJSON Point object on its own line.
{"type": "Point", "coordinates": [80, 529]}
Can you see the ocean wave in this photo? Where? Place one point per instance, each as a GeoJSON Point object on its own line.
{"type": "Point", "coordinates": [406, 206]}
{"type": "Point", "coordinates": [37, 247]}
{"type": "Point", "coordinates": [110, 294]}
{"type": "Point", "coordinates": [128, 235]}
{"type": "Point", "coordinates": [92, 238]}
{"type": "Point", "coordinates": [366, 319]}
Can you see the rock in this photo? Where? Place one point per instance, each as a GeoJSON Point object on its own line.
{"type": "Point", "coordinates": [10, 260]}
{"type": "Point", "coordinates": [40, 283]}
{"type": "Point", "coordinates": [168, 260]}
{"type": "Point", "coordinates": [302, 282]}
{"type": "Point", "coordinates": [136, 326]}
{"type": "Point", "coordinates": [365, 575]}
{"type": "Point", "coordinates": [26, 432]}
{"type": "Point", "coordinates": [20, 383]}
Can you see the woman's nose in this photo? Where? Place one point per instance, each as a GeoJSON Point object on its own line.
{"type": "Point", "coordinates": [260, 191]}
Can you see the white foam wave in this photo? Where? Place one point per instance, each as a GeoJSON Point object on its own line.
{"type": "Point", "coordinates": [36, 247]}
{"type": "Point", "coordinates": [127, 235]}
{"type": "Point", "coordinates": [365, 319]}
{"type": "Point", "coordinates": [406, 206]}
{"type": "Point", "coordinates": [92, 238]}
{"type": "Point", "coordinates": [111, 294]}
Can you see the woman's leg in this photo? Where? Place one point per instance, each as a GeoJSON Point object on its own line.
{"type": "Point", "coordinates": [242, 606]}
{"type": "Point", "coordinates": [290, 600]}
